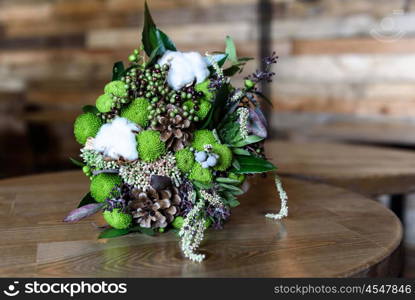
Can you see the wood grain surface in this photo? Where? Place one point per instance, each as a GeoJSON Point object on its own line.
{"type": "Point", "coordinates": [392, 134]}
{"type": "Point", "coordinates": [365, 169]}
{"type": "Point", "coordinates": [329, 232]}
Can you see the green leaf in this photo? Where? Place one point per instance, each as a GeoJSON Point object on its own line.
{"type": "Point", "coordinates": [228, 196]}
{"type": "Point", "coordinates": [112, 233]}
{"type": "Point", "coordinates": [153, 38]}
{"type": "Point", "coordinates": [153, 55]}
{"type": "Point", "coordinates": [76, 162]}
{"type": "Point", "coordinates": [236, 164]}
{"type": "Point", "coordinates": [216, 113]}
{"type": "Point", "coordinates": [231, 50]}
{"type": "Point", "coordinates": [90, 109]}
{"type": "Point", "coordinates": [245, 59]}
{"type": "Point", "coordinates": [230, 199]}
{"type": "Point", "coordinates": [227, 180]}
{"type": "Point", "coordinates": [251, 139]}
{"type": "Point", "coordinates": [240, 151]}
{"type": "Point", "coordinates": [219, 57]}
{"type": "Point", "coordinates": [228, 129]}
{"type": "Point", "coordinates": [147, 231]}
{"type": "Point", "coordinates": [250, 164]}
{"type": "Point", "coordinates": [231, 188]}
{"type": "Point", "coordinates": [219, 105]}
{"type": "Point", "coordinates": [87, 199]}
{"type": "Point", "coordinates": [117, 70]}
{"type": "Point", "coordinates": [232, 70]}
{"type": "Point", "coordinates": [233, 203]}
{"type": "Point", "coordinates": [201, 185]}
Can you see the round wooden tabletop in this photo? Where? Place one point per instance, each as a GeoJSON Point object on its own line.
{"type": "Point", "coordinates": [329, 232]}
{"type": "Point", "coordinates": [365, 169]}
{"type": "Point", "coordinates": [399, 134]}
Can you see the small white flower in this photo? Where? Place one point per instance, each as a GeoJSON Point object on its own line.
{"type": "Point", "coordinates": [89, 145]}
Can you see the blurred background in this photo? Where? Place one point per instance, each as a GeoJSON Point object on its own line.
{"type": "Point", "coordinates": [346, 69]}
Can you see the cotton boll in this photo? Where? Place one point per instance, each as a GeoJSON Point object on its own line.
{"type": "Point", "coordinates": [184, 68]}
{"type": "Point", "coordinates": [180, 72]}
{"type": "Point", "coordinates": [117, 139]}
{"type": "Point", "coordinates": [168, 56]}
{"type": "Point", "coordinates": [198, 64]}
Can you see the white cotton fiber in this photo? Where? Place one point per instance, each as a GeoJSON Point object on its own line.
{"type": "Point", "coordinates": [185, 67]}
{"type": "Point", "coordinates": [199, 67]}
{"type": "Point", "coordinates": [117, 139]}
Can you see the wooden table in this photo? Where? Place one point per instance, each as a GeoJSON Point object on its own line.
{"type": "Point", "coordinates": [365, 169]}
{"type": "Point", "coordinates": [376, 133]}
{"type": "Point", "coordinates": [329, 232]}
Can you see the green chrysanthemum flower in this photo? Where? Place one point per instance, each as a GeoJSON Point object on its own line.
{"type": "Point", "coordinates": [137, 112]}
{"type": "Point", "coordinates": [201, 138]}
{"type": "Point", "coordinates": [104, 103]}
{"type": "Point", "coordinates": [149, 145]}
{"type": "Point", "coordinates": [116, 88]}
{"type": "Point", "coordinates": [225, 157]}
{"type": "Point", "coordinates": [204, 88]}
{"type": "Point", "coordinates": [117, 219]}
{"type": "Point", "coordinates": [185, 160]}
{"type": "Point", "coordinates": [204, 108]}
{"type": "Point", "coordinates": [102, 185]}
{"type": "Point", "coordinates": [201, 174]}
{"type": "Point", "coordinates": [85, 126]}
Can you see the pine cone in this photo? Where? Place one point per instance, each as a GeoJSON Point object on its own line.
{"type": "Point", "coordinates": [175, 131]}
{"type": "Point", "coordinates": [154, 208]}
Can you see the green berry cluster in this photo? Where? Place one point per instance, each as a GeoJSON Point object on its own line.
{"type": "Point", "coordinates": [151, 83]}
{"type": "Point", "coordinates": [87, 171]}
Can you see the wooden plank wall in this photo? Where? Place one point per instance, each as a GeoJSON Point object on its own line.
{"type": "Point", "coordinates": [56, 55]}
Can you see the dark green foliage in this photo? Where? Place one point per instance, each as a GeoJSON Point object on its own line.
{"type": "Point", "coordinates": [117, 70]}
{"type": "Point", "coordinates": [154, 38]}
{"type": "Point", "coordinates": [87, 199]}
{"type": "Point", "coordinates": [250, 165]}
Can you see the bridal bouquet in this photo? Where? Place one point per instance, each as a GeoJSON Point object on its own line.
{"type": "Point", "coordinates": [170, 142]}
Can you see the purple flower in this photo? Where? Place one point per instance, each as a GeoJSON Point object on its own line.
{"type": "Point", "coordinates": [272, 59]}
{"type": "Point", "coordinates": [219, 215]}
{"type": "Point", "coordinates": [119, 197]}
{"type": "Point", "coordinates": [216, 83]}
{"type": "Point", "coordinates": [264, 75]}
{"type": "Point", "coordinates": [186, 204]}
